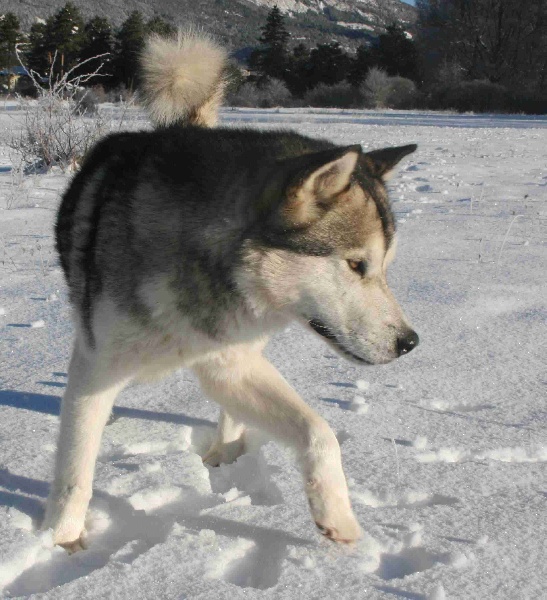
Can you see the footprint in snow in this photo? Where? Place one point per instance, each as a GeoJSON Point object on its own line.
{"type": "Point", "coordinates": [410, 499]}
{"type": "Point", "coordinates": [250, 563]}
{"type": "Point", "coordinates": [249, 476]}
{"type": "Point", "coordinates": [409, 561]}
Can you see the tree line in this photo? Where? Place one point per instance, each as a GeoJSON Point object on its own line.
{"type": "Point", "coordinates": [462, 54]}
{"type": "Point", "coordinates": [64, 40]}
{"type": "Point", "coordinates": [303, 68]}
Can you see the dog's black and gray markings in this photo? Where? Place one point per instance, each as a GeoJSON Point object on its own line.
{"type": "Point", "coordinates": [211, 184]}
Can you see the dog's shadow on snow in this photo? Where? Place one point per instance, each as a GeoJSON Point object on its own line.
{"type": "Point", "coordinates": [51, 405]}
{"type": "Point", "coordinates": [133, 532]}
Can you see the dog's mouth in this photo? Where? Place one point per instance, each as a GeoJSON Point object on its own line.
{"type": "Point", "coordinates": [320, 328]}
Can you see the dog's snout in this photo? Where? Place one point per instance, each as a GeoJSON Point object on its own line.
{"type": "Point", "coordinates": [407, 342]}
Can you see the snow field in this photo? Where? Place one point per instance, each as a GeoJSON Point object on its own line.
{"type": "Point", "coordinates": [444, 450]}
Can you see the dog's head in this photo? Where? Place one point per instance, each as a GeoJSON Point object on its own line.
{"type": "Point", "coordinates": [323, 246]}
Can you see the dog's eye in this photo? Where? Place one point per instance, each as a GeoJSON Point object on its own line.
{"type": "Point", "coordinates": [359, 266]}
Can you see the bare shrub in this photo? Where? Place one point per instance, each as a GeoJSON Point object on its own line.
{"type": "Point", "coordinates": [271, 94]}
{"type": "Point", "coordinates": [449, 73]}
{"type": "Point", "coordinates": [403, 93]}
{"type": "Point", "coordinates": [99, 93]}
{"type": "Point", "coordinates": [274, 93]}
{"type": "Point", "coordinates": [340, 95]}
{"type": "Point", "coordinates": [376, 88]}
{"type": "Point", "coordinates": [17, 192]}
{"type": "Point", "coordinates": [120, 93]}
{"type": "Point", "coordinates": [87, 102]}
{"type": "Point", "coordinates": [246, 96]}
{"type": "Point", "coordinates": [478, 95]}
{"type": "Point", "coordinates": [61, 124]}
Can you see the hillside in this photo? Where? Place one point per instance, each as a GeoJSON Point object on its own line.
{"type": "Point", "coordinates": [237, 22]}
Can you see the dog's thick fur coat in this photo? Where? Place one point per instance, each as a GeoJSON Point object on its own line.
{"type": "Point", "coordinates": [183, 79]}
{"type": "Point", "coordinates": [187, 246]}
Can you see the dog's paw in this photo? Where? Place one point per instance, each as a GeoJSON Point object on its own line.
{"type": "Point", "coordinates": [224, 454]}
{"type": "Point", "coordinates": [344, 530]}
{"type": "Point", "coordinates": [331, 511]}
{"type": "Point", "coordinates": [75, 545]}
{"type": "Point", "coordinates": [213, 458]}
{"type": "Point", "coordinates": [69, 536]}
{"type": "Point", "coordinates": [65, 516]}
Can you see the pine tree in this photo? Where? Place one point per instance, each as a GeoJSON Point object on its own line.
{"type": "Point", "coordinates": [10, 36]}
{"type": "Point", "coordinates": [297, 76]}
{"type": "Point", "coordinates": [99, 41]}
{"type": "Point", "coordinates": [365, 58]}
{"type": "Point", "coordinates": [161, 27]}
{"type": "Point", "coordinates": [40, 51]}
{"type": "Point", "coordinates": [98, 38]}
{"type": "Point", "coordinates": [397, 53]}
{"type": "Point", "coordinates": [129, 42]}
{"type": "Point", "coordinates": [270, 59]}
{"type": "Point", "coordinates": [67, 36]}
{"type": "Point", "coordinates": [329, 64]}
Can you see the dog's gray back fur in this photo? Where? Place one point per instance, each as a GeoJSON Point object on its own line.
{"type": "Point", "coordinates": [180, 202]}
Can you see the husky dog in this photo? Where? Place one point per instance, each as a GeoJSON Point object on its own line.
{"type": "Point", "coordinates": [187, 246]}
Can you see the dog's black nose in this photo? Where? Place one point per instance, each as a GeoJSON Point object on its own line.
{"type": "Point", "coordinates": [407, 342]}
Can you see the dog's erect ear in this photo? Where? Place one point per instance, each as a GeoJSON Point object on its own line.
{"type": "Point", "coordinates": [381, 163]}
{"type": "Point", "coordinates": [314, 182]}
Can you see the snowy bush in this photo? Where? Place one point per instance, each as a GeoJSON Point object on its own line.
{"type": "Point", "coordinates": [377, 88]}
{"type": "Point", "coordinates": [246, 96]}
{"type": "Point", "coordinates": [340, 95]}
{"type": "Point", "coordinates": [60, 124]}
{"type": "Point", "coordinates": [120, 94]}
{"type": "Point", "coordinates": [86, 103]}
{"type": "Point", "coordinates": [402, 93]}
{"type": "Point", "coordinates": [478, 95]}
{"type": "Point", "coordinates": [271, 94]}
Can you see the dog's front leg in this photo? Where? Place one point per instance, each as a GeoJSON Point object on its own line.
{"type": "Point", "coordinates": [91, 390]}
{"type": "Point", "coordinates": [251, 390]}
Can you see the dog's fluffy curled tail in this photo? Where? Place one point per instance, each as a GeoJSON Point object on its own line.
{"type": "Point", "coordinates": [183, 79]}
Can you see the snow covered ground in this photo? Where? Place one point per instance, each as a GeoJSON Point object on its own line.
{"type": "Point", "coordinates": [445, 449]}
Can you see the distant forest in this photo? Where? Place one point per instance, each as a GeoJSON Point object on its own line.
{"type": "Point", "coordinates": [463, 55]}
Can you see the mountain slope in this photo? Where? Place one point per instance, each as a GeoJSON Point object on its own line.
{"type": "Point", "coordinates": [237, 22]}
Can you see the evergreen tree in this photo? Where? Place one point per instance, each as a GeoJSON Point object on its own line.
{"type": "Point", "coordinates": [40, 51]}
{"type": "Point", "coordinates": [329, 64]}
{"type": "Point", "coordinates": [129, 42]}
{"type": "Point", "coordinates": [10, 36]}
{"type": "Point", "coordinates": [397, 53]}
{"type": "Point", "coordinates": [98, 38]}
{"type": "Point", "coordinates": [297, 75]}
{"type": "Point", "coordinates": [270, 59]}
{"type": "Point", "coordinates": [98, 41]}
{"type": "Point", "coordinates": [161, 27]}
{"type": "Point", "coordinates": [365, 58]}
{"type": "Point", "coordinates": [67, 36]}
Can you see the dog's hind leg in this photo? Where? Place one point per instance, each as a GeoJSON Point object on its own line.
{"type": "Point", "coordinates": [93, 385]}
{"type": "Point", "coordinates": [229, 443]}
{"type": "Point", "coordinates": [244, 383]}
